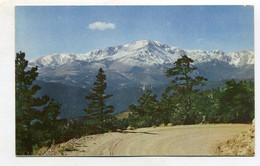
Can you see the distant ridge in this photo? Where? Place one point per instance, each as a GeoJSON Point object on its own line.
{"type": "Point", "coordinates": [146, 52]}
{"type": "Point", "coordinates": [129, 68]}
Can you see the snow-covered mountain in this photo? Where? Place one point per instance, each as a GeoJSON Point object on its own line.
{"type": "Point", "coordinates": [141, 62]}
{"type": "Point", "coordinates": [129, 68]}
{"type": "Point", "coordinates": [147, 53]}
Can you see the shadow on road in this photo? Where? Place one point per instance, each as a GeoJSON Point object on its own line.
{"type": "Point", "coordinates": [137, 132]}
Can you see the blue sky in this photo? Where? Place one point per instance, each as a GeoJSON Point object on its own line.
{"type": "Point", "coordinates": [46, 30]}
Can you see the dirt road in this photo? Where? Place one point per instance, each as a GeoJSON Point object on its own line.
{"type": "Point", "coordinates": [161, 141]}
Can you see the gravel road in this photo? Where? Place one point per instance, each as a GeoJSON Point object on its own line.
{"type": "Point", "coordinates": [190, 140]}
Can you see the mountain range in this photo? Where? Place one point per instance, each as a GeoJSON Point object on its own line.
{"type": "Point", "coordinates": [132, 67]}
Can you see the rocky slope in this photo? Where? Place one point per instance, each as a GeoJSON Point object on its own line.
{"type": "Point", "coordinates": [243, 144]}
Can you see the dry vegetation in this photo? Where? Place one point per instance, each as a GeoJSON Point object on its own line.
{"type": "Point", "coordinates": [244, 144]}
{"type": "Point", "coordinates": [123, 115]}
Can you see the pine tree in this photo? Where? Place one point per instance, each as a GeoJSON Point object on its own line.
{"type": "Point", "coordinates": [182, 87]}
{"type": "Point", "coordinates": [166, 109]}
{"type": "Point", "coordinates": [145, 113]}
{"type": "Point", "coordinates": [98, 114]}
{"type": "Point", "coordinates": [147, 103]}
{"type": "Point", "coordinates": [26, 103]}
{"type": "Point", "coordinates": [51, 127]}
{"type": "Point", "coordinates": [32, 126]}
{"type": "Point", "coordinates": [237, 102]}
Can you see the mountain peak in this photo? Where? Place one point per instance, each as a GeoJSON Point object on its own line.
{"type": "Point", "coordinates": [145, 52]}
{"type": "Point", "coordinates": [144, 43]}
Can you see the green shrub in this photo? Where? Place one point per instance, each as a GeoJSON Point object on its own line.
{"type": "Point", "coordinates": [130, 128]}
{"type": "Point", "coordinates": [170, 124]}
{"type": "Point", "coordinates": [162, 125]}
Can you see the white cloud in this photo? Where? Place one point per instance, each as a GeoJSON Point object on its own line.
{"type": "Point", "coordinates": [101, 26]}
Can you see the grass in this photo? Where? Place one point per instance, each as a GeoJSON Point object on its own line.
{"type": "Point", "coordinates": [65, 147]}
{"type": "Point", "coordinates": [162, 125]}
{"type": "Point", "coordinates": [40, 151]}
{"type": "Point", "coordinates": [170, 124]}
{"type": "Point", "coordinates": [130, 128]}
{"type": "Point", "coordinates": [123, 115]}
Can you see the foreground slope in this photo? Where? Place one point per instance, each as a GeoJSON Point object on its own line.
{"type": "Point", "coordinates": [244, 144]}
{"type": "Point", "coordinates": [177, 140]}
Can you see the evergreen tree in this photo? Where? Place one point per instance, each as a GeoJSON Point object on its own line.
{"type": "Point", "coordinates": [207, 104]}
{"type": "Point", "coordinates": [237, 102]}
{"type": "Point", "coordinates": [165, 109]}
{"type": "Point", "coordinates": [144, 114]}
{"type": "Point", "coordinates": [31, 122]}
{"type": "Point", "coordinates": [26, 104]}
{"type": "Point", "coordinates": [182, 87]}
{"type": "Point", "coordinates": [51, 127]}
{"type": "Point", "coordinates": [99, 118]}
